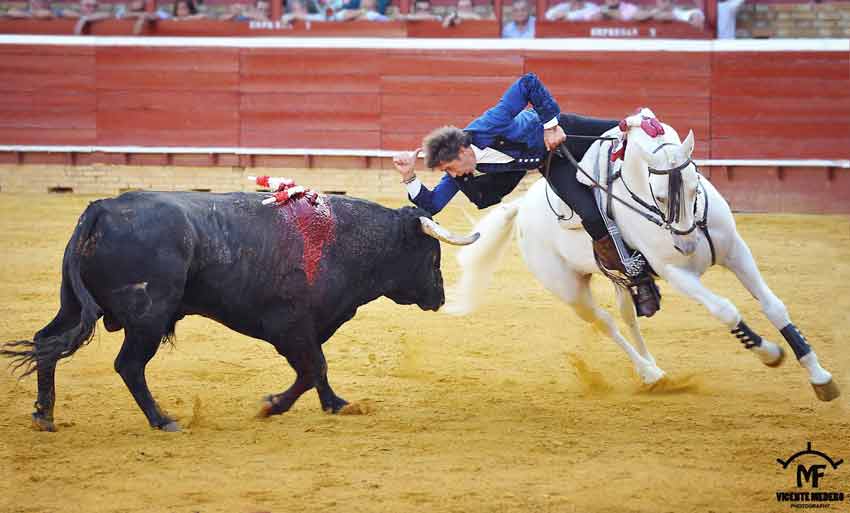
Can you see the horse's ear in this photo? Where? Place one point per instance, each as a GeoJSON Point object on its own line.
{"type": "Point", "coordinates": [655, 160]}
{"type": "Point", "coordinates": [688, 144]}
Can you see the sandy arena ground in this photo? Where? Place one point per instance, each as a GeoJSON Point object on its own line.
{"type": "Point", "coordinates": [519, 407]}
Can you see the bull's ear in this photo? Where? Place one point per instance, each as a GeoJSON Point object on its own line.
{"type": "Point", "coordinates": [429, 227]}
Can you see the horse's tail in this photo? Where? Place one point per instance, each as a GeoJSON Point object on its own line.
{"type": "Point", "coordinates": [479, 261]}
{"type": "Point", "coordinates": [74, 324]}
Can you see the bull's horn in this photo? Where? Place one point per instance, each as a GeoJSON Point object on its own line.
{"type": "Point", "coordinates": [433, 229]}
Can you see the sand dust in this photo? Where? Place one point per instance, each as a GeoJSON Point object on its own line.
{"type": "Point", "coordinates": [518, 407]}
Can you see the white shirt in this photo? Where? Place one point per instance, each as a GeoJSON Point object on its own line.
{"type": "Point", "coordinates": [485, 156]}
{"type": "Point", "coordinates": [727, 12]}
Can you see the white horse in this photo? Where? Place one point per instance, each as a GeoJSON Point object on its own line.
{"type": "Point", "coordinates": [560, 254]}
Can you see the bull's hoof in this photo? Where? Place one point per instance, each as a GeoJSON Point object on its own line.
{"type": "Point", "coordinates": [267, 408]}
{"type": "Point", "coordinates": [169, 427]}
{"type": "Point", "coordinates": [357, 408]}
{"type": "Point", "coordinates": [828, 391]}
{"type": "Point", "coordinates": [337, 404]}
{"type": "Point", "coordinates": [42, 423]}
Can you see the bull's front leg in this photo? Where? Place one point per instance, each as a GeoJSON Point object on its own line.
{"type": "Point", "coordinates": [305, 356]}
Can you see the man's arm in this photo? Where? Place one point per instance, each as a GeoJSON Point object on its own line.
{"type": "Point", "coordinates": [499, 120]}
{"type": "Point", "coordinates": [432, 201]}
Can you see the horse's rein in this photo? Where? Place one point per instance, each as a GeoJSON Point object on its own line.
{"type": "Point", "coordinates": [659, 221]}
{"type": "Point", "coordinates": [562, 148]}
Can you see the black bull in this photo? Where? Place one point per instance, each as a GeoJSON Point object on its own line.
{"type": "Point", "coordinates": [290, 275]}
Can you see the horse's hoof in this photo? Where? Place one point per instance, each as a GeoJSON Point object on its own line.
{"type": "Point", "coordinates": [778, 361]}
{"type": "Point", "coordinates": [40, 423]}
{"type": "Point", "coordinates": [651, 375]}
{"type": "Point", "coordinates": [828, 391]}
{"type": "Point", "coordinates": [171, 427]}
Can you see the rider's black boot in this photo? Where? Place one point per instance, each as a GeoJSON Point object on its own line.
{"type": "Point", "coordinates": [645, 293]}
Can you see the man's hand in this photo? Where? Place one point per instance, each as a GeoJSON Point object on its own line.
{"type": "Point", "coordinates": [553, 137]}
{"type": "Point", "coordinates": [405, 162]}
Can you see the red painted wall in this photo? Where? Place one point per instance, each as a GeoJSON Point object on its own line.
{"type": "Point", "coordinates": [741, 105]}
{"type": "Point", "coordinates": [793, 105]}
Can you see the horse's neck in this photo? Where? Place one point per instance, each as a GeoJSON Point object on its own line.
{"type": "Point", "coordinates": [636, 230]}
{"type": "Point", "coordinates": [635, 176]}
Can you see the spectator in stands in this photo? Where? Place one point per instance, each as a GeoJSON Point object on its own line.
{"type": "Point", "coordinates": [367, 10]}
{"type": "Point", "coordinates": [260, 11]}
{"type": "Point", "coordinates": [349, 9]}
{"type": "Point", "coordinates": [522, 26]}
{"type": "Point", "coordinates": [574, 10]}
{"type": "Point", "coordinates": [185, 10]}
{"type": "Point", "coordinates": [88, 10]}
{"type": "Point", "coordinates": [34, 9]}
{"type": "Point", "coordinates": [136, 9]}
{"type": "Point", "coordinates": [302, 10]}
{"type": "Point", "coordinates": [665, 10]}
{"type": "Point", "coordinates": [727, 15]}
{"type": "Point", "coordinates": [87, 13]}
{"type": "Point", "coordinates": [421, 11]}
{"type": "Point", "coordinates": [463, 11]}
{"type": "Point", "coordinates": [619, 10]}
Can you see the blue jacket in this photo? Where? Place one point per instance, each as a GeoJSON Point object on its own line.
{"type": "Point", "coordinates": [509, 128]}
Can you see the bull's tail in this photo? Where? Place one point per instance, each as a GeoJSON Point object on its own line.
{"type": "Point", "coordinates": [479, 261]}
{"type": "Point", "coordinates": [74, 325]}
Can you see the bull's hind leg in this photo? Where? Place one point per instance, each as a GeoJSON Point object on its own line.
{"type": "Point", "coordinates": [66, 319]}
{"type": "Point", "coordinates": [740, 261]}
{"type": "Point", "coordinates": [140, 345]}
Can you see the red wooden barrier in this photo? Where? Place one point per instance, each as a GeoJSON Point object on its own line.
{"type": "Point", "coordinates": [792, 105]}
{"type": "Point", "coordinates": [783, 105]}
{"type": "Point", "coordinates": [744, 104]}
{"type": "Point", "coordinates": [48, 95]}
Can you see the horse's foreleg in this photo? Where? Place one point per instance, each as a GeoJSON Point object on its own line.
{"type": "Point", "coordinates": [689, 284]}
{"type": "Point", "coordinates": [740, 261]}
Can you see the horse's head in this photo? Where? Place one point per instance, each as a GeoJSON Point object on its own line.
{"type": "Point", "coordinates": [673, 184]}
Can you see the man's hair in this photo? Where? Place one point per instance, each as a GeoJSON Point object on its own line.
{"type": "Point", "coordinates": [443, 145]}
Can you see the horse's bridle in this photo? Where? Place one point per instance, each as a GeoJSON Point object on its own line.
{"type": "Point", "coordinates": [675, 187]}
{"type": "Point", "coordinates": [653, 213]}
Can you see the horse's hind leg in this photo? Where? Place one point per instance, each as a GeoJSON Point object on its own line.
{"type": "Point", "coordinates": [586, 308]}
{"type": "Point", "coordinates": [574, 289]}
{"type": "Point", "coordinates": [627, 312]}
{"type": "Point", "coordinates": [740, 261]}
